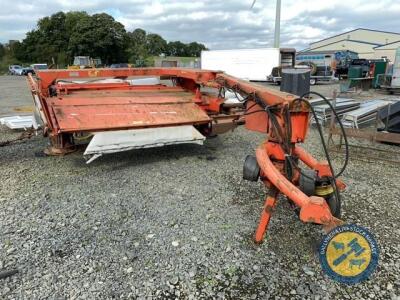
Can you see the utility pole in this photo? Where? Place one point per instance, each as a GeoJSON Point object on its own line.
{"type": "Point", "coordinates": [277, 23]}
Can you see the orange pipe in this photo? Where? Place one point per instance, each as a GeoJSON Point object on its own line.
{"type": "Point", "coordinates": [312, 209]}
{"type": "Point", "coordinates": [306, 157]}
{"type": "Point", "coordinates": [278, 180]}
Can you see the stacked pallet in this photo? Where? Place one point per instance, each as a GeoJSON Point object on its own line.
{"type": "Point", "coordinates": [352, 113]}
{"type": "Point", "coordinates": [365, 114]}
{"type": "Point", "coordinates": [390, 117]}
{"type": "Point", "coordinates": [324, 112]}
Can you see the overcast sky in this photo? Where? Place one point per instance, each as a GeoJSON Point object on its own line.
{"type": "Point", "coordinates": [216, 23]}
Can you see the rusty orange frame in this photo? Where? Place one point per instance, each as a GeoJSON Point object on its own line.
{"type": "Point", "coordinates": [270, 154]}
{"type": "Point", "coordinates": [189, 80]}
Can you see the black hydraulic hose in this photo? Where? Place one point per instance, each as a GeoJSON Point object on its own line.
{"type": "Point", "coordinates": [278, 130]}
{"type": "Point", "coordinates": [285, 140]}
{"type": "Point", "coordinates": [253, 112]}
{"type": "Point", "coordinates": [322, 136]}
{"type": "Point", "coordinates": [332, 180]}
{"type": "Point", "coordinates": [288, 126]}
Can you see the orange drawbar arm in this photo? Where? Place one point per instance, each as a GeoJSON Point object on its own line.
{"type": "Point", "coordinates": [312, 209]}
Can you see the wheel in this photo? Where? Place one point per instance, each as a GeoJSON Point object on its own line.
{"type": "Point", "coordinates": [251, 169]}
{"type": "Point", "coordinates": [334, 204]}
{"type": "Point", "coordinates": [276, 72]}
{"type": "Point", "coordinates": [313, 81]}
{"type": "Point", "coordinates": [313, 66]}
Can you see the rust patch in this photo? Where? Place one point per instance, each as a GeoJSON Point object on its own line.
{"type": "Point", "coordinates": [107, 117]}
{"type": "Point", "coordinates": [269, 209]}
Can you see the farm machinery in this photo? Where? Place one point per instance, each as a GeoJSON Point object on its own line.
{"type": "Point", "coordinates": [85, 62]}
{"type": "Point", "coordinates": [122, 109]}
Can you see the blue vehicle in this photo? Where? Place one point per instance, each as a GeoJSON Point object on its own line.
{"type": "Point", "coordinates": [327, 63]}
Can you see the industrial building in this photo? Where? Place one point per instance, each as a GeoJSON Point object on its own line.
{"type": "Point", "coordinates": [388, 50]}
{"type": "Point", "coordinates": [367, 43]}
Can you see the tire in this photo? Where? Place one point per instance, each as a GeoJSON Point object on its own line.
{"type": "Point", "coordinates": [276, 72]}
{"type": "Point", "coordinates": [313, 81]}
{"type": "Point", "coordinates": [313, 67]}
{"type": "Point", "coordinates": [335, 204]}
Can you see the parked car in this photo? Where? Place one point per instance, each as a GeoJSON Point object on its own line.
{"type": "Point", "coordinates": [38, 67]}
{"type": "Point", "coordinates": [27, 70]}
{"type": "Point", "coordinates": [14, 69]}
{"type": "Point", "coordinates": [120, 65]}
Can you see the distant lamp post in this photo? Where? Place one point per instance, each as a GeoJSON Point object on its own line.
{"type": "Point", "coordinates": [277, 22]}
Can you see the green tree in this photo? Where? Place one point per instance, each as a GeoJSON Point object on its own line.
{"type": "Point", "coordinates": [99, 36]}
{"type": "Point", "coordinates": [194, 49]}
{"type": "Point", "coordinates": [2, 51]}
{"type": "Point", "coordinates": [53, 28]}
{"type": "Point", "coordinates": [47, 41]}
{"type": "Point", "coordinates": [138, 37]}
{"type": "Point", "coordinates": [65, 35]}
{"type": "Point", "coordinates": [16, 50]}
{"type": "Point", "coordinates": [72, 20]}
{"type": "Point", "coordinates": [62, 36]}
{"type": "Point", "coordinates": [177, 48]}
{"type": "Point", "coordinates": [155, 44]}
{"type": "Point", "coordinates": [137, 51]}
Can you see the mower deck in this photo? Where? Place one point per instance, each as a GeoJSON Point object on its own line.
{"type": "Point", "coordinates": [81, 102]}
{"type": "Point", "coordinates": [111, 110]}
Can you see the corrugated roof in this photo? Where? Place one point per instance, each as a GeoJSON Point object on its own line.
{"type": "Point", "coordinates": [309, 52]}
{"type": "Point", "coordinates": [346, 40]}
{"type": "Point", "coordinates": [382, 46]}
{"type": "Point", "coordinates": [366, 29]}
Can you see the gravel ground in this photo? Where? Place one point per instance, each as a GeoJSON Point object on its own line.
{"type": "Point", "coordinates": [174, 222]}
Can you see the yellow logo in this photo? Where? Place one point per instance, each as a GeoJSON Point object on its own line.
{"type": "Point", "coordinates": [349, 254]}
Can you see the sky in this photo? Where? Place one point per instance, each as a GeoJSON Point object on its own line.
{"type": "Point", "coordinates": [216, 23]}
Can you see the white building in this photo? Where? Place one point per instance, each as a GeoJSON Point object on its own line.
{"type": "Point", "coordinates": [367, 43]}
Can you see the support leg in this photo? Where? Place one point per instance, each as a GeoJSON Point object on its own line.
{"type": "Point", "coordinates": [61, 144]}
{"type": "Point", "coordinates": [269, 206]}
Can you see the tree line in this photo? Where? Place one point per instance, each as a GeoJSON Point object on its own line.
{"type": "Point", "coordinates": [61, 36]}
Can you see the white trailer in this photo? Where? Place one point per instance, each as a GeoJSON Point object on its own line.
{"type": "Point", "coordinates": [248, 64]}
{"type": "Point", "coordinates": [391, 80]}
{"type": "Point", "coordinates": [396, 70]}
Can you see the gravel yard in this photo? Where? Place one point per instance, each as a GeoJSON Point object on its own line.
{"type": "Point", "coordinates": [174, 222]}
